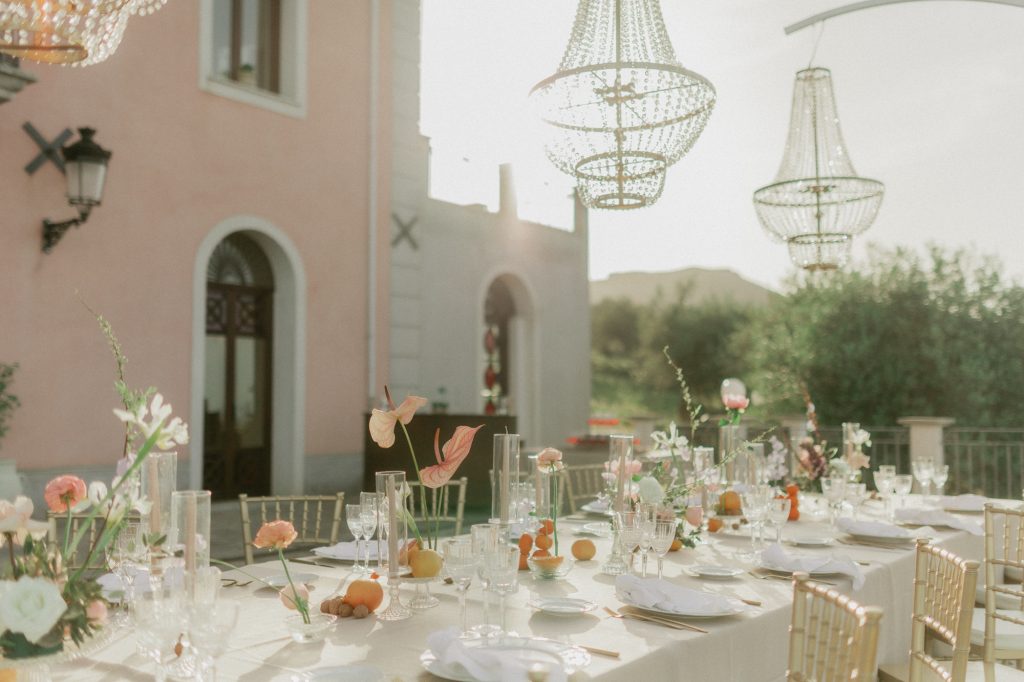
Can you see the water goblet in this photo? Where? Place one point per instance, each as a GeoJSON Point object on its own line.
{"type": "Point", "coordinates": [160, 620]}
{"type": "Point", "coordinates": [755, 508]}
{"type": "Point", "coordinates": [940, 475]}
{"type": "Point", "coordinates": [834, 489]}
{"type": "Point", "coordinates": [647, 527]}
{"type": "Point", "coordinates": [923, 470]}
{"type": "Point", "coordinates": [502, 568]}
{"type": "Point", "coordinates": [662, 539]}
{"type": "Point", "coordinates": [369, 514]}
{"type": "Point", "coordinates": [126, 554]}
{"type": "Point", "coordinates": [461, 564]}
{"type": "Point", "coordinates": [209, 629]}
{"type": "Point", "coordinates": [627, 524]}
{"type": "Point", "coordinates": [353, 516]}
{"type": "Point", "coordinates": [778, 515]}
{"type": "Point", "coordinates": [856, 493]}
{"type": "Point", "coordinates": [485, 538]}
{"type": "Point", "coordinates": [902, 485]}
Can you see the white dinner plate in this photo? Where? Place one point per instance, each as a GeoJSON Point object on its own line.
{"type": "Point", "coordinates": [716, 572]}
{"type": "Point", "coordinates": [281, 580]}
{"type": "Point", "coordinates": [813, 541]}
{"type": "Point", "coordinates": [563, 606]}
{"type": "Point", "coordinates": [527, 649]}
{"type": "Point", "coordinates": [593, 508]}
{"type": "Point", "coordinates": [735, 608]}
{"type": "Point", "coordinates": [346, 673]}
{"type": "Point", "coordinates": [601, 529]}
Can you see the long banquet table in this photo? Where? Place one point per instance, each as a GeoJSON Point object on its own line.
{"type": "Point", "coordinates": [747, 648]}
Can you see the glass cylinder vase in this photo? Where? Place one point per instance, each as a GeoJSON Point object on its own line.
{"type": "Point", "coordinates": [159, 481]}
{"type": "Point", "coordinates": [189, 534]}
{"type": "Point", "coordinates": [395, 531]}
{"type": "Point", "coordinates": [730, 451]}
{"type": "Point", "coordinates": [504, 475]}
{"type": "Point", "coordinates": [707, 476]}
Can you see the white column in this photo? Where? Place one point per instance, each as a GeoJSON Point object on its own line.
{"type": "Point", "coordinates": [926, 437]}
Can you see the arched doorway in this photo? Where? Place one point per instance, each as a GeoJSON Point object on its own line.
{"type": "Point", "coordinates": [499, 309]}
{"type": "Point", "coordinates": [237, 396]}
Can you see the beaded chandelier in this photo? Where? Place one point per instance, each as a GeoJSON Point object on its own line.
{"type": "Point", "coordinates": [817, 203]}
{"type": "Point", "coordinates": [621, 108]}
{"type": "Point", "coordinates": [78, 32]}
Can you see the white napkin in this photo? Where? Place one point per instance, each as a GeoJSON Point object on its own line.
{"type": "Point", "coordinates": [483, 664]}
{"type": "Point", "coordinates": [965, 502]}
{"type": "Point", "coordinates": [346, 551]}
{"type": "Point", "coordinates": [873, 528]}
{"type": "Point", "coordinates": [935, 517]}
{"type": "Point", "coordinates": [776, 557]}
{"type": "Point", "coordinates": [655, 593]}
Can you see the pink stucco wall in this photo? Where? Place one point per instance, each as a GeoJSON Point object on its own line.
{"type": "Point", "coordinates": [184, 160]}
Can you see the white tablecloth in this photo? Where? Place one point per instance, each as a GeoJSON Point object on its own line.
{"type": "Point", "coordinates": [747, 648]}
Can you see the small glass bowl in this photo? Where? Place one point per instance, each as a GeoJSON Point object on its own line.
{"type": "Point", "coordinates": [547, 569]}
{"type": "Point", "coordinates": [314, 631]}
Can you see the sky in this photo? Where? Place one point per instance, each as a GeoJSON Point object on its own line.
{"type": "Point", "coordinates": [930, 98]}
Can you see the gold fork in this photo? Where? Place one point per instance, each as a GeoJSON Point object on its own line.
{"type": "Point", "coordinates": [677, 624]}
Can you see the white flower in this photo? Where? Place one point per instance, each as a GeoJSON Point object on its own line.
{"type": "Point", "coordinates": [650, 490]}
{"type": "Point", "coordinates": [175, 432]}
{"type": "Point", "coordinates": [672, 441]}
{"type": "Point", "coordinates": [16, 518]}
{"type": "Point", "coordinates": [861, 438]}
{"type": "Point", "coordinates": [31, 606]}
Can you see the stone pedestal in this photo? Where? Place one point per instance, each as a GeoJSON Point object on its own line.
{"type": "Point", "coordinates": [926, 437]}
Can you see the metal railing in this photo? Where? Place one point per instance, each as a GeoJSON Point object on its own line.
{"type": "Point", "coordinates": [985, 461]}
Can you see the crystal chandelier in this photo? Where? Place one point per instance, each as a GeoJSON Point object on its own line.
{"type": "Point", "coordinates": [817, 203]}
{"type": "Point", "coordinates": [78, 32]}
{"type": "Point", "coordinates": [621, 109]}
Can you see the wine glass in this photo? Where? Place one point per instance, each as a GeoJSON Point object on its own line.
{"type": "Point", "coordinates": [834, 489]}
{"type": "Point", "coordinates": [353, 515]}
{"type": "Point", "coordinates": [485, 538]}
{"type": "Point", "coordinates": [209, 629]}
{"type": "Point", "coordinates": [160, 620]}
{"type": "Point", "coordinates": [461, 563]}
{"type": "Point", "coordinates": [502, 567]}
{"type": "Point", "coordinates": [126, 554]}
{"type": "Point", "coordinates": [856, 493]}
{"type": "Point", "coordinates": [755, 508]}
{"type": "Point", "coordinates": [628, 526]}
{"type": "Point", "coordinates": [778, 514]}
{"type": "Point", "coordinates": [923, 470]}
{"type": "Point", "coordinates": [940, 475]}
{"type": "Point", "coordinates": [369, 514]}
{"type": "Point", "coordinates": [883, 482]}
{"type": "Point", "coordinates": [902, 485]}
{"type": "Point", "coordinates": [663, 537]}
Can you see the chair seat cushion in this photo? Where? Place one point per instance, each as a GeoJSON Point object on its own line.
{"type": "Point", "coordinates": [1003, 601]}
{"type": "Point", "coordinates": [1008, 635]}
{"type": "Point", "coordinates": [975, 673]}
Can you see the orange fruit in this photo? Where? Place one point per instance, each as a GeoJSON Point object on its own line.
{"type": "Point", "coordinates": [730, 502]}
{"type": "Point", "coordinates": [544, 542]}
{"type": "Point", "coordinates": [369, 593]}
{"type": "Point", "coordinates": [523, 566]}
{"type": "Point", "coordinates": [540, 553]}
{"type": "Point", "coordinates": [677, 545]}
{"type": "Point", "coordinates": [525, 544]}
{"type": "Point", "coordinates": [714, 524]}
{"type": "Point", "coordinates": [547, 527]}
{"type": "Point", "coordinates": [584, 550]}
{"type": "Point", "coordinates": [426, 563]}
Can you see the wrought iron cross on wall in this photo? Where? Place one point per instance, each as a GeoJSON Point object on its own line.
{"type": "Point", "coordinates": [404, 232]}
{"type": "Point", "coordinates": [48, 151]}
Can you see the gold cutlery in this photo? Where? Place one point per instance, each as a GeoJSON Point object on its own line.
{"type": "Point", "coordinates": [786, 578]}
{"type": "Point", "coordinates": [750, 602]}
{"type": "Point", "coordinates": [874, 545]}
{"type": "Point", "coordinates": [599, 652]}
{"type": "Point", "coordinates": [676, 624]}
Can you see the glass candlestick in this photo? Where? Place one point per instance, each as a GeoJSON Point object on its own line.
{"type": "Point", "coordinates": [504, 476]}
{"type": "Point", "coordinates": [189, 533]}
{"type": "Point", "coordinates": [620, 458]}
{"type": "Point", "coordinates": [393, 489]}
{"type": "Point", "coordinates": [159, 481]}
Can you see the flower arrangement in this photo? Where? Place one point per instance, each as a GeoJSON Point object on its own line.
{"type": "Point", "coordinates": [278, 535]}
{"type": "Point", "coordinates": [777, 461]}
{"type": "Point", "coordinates": [382, 431]}
{"type": "Point", "coordinates": [812, 453]}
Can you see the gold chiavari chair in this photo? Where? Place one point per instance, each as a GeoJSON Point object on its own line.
{"type": "Point", "coordinates": [997, 630]}
{"type": "Point", "coordinates": [944, 587]}
{"type": "Point", "coordinates": [832, 638]}
{"type": "Point", "coordinates": [305, 512]}
{"type": "Point", "coordinates": [583, 482]}
{"type": "Point", "coordinates": [442, 508]}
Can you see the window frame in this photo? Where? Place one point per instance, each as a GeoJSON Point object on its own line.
{"type": "Point", "coordinates": [293, 47]}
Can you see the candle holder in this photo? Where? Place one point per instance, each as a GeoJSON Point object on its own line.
{"type": "Point", "coordinates": [756, 470]}
{"type": "Point", "coordinates": [703, 470]}
{"type": "Point", "coordinates": [189, 533]}
{"type": "Point", "coordinates": [620, 458]}
{"type": "Point", "coordinates": [159, 480]}
{"type": "Point", "coordinates": [394, 529]}
{"type": "Point", "coordinates": [730, 437]}
{"type": "Point", "coordinates": [504, 475]}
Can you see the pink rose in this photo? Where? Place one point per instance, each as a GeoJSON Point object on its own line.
{"type": "Point", "coordinates": [64, 492]}
{"type": "Point", "coordinates": [634, 467]}
{"type": "Point", "coordinates": [858, 460]}
{"type": "Point", "coordinates": [275, 535]}
{"type": "Point", "coordinates": [288, 597]}
{"type": "Point", "coordinates": [736, 402]}
{"type": "Point", "coordinates": [96, 611]}
{"type": "Point", "coordinates": [550, 459]}
{"type": "Point", "coordinates": [694, 516]}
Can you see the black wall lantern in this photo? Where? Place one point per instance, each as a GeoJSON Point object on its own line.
{"type": "Point", "coordinates": [85, 169]}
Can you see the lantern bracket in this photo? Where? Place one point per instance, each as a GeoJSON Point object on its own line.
{"type": "Point", "coordinates": [53, 232]}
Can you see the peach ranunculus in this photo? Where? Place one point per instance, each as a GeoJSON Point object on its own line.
{"type": "Point", "coordinates": [64, 493]}
{"type": "Point", "coordinates": [287, 596]}
{"type": "Point", "coordinates": [633, 467]}
{"type": "Point", "coordinates": [550, 459]}
{"type": "Point", "coordinates": [382, 423]}
{"type": "Point", "coordinates": [96, 611]}
{"type": "Point", "coordinates": [275, 535]}
{"type": "Point", "coordinates": [858, 460]}
{"type": "Point", "coordinates": [736, 402]}
{"type": "Point", "coordinates": [694, 516]}
{"type": "Point", "coordinates": [454, 451]}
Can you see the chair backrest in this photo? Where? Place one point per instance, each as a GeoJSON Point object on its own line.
{"type": "Point", "coordinates": [583, 483]}
{"type": "Point", "coordinates": [305, 512]}
{"type": "Point", "coordinates": [944, 587]}
{"type": "Point", "coordinates": [447, 504]}
{"type": "Point", "coordinates": [831, 638]}
{"type": "Point", "coordinates": [58, 524]}
{"type": "Point", "coordinates": [1004, 547]}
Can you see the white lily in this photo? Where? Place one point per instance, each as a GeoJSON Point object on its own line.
{"type": "Point", "coordinates": [672, 441]}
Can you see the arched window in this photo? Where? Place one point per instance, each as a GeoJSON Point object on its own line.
{"type": "Point", "coordinates": [499, 309]}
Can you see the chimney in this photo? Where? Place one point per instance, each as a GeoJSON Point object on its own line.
{"type": "Point", "coordinates": [507, 204]}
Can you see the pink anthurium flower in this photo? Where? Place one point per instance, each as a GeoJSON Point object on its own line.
{"type": "Point", "coordinates": [382, 424]}
{"type": "Point", "coordinates": [455, 450]}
